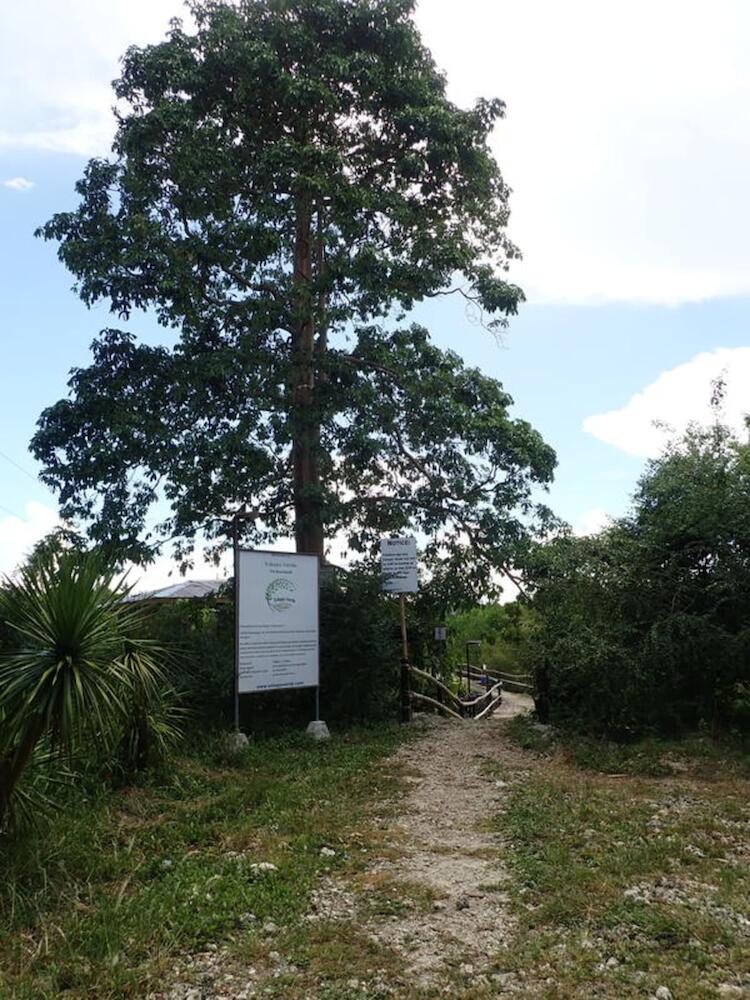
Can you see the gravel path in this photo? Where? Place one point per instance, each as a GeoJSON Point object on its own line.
{"type": "Point", "coordinates": [445, 847]}
{"type": "Point", "coordinates": [448, 849]}
{"type": "Point", "coordinates": [439, 845]}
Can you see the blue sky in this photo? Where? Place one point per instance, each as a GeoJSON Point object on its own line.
{"type": "Point", "coordinates": [629, 204]}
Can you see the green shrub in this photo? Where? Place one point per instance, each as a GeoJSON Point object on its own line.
{"type": "Point", "coordinates": [75, 670]}
{"type": "Point", "coordinates": [359, 648]}
{"type": "Point", "coordinates": [502, 630]}
{"type": "Point", "coordinates": [646, 626]}
{"type": "Point", "coordinates": [200, 635]}
{"type": "Point", "coordinates": [359, 656]}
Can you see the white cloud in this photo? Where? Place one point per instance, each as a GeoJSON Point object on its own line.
{"type": "Point", "coordinates": [19, 184]}
{"type": "Point", "coordinates": [647, 421]}
{"type": "Point", "coordinates": [18, 535]}
{"type": "Point", "coordinates": [592, 521]}
{"type": "Point", "coordinates": [627, 141]}
{"type": "Point", "coordinates": [58, 62]}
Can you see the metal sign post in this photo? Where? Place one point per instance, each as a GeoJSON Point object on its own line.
{"type": "Point", "coordinates": [405, 687]}
{"type": "Point", "coordinates": [277, 634]}
{"type": "Point", "coordinates": [236, 552]}
{"type": "Point", "coordinates": [398, 567]}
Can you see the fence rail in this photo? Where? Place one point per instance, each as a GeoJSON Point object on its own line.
{"type": "Point", "coordinates": [520, 682]}
{"type": "Point", "coordinates": [452, 704]}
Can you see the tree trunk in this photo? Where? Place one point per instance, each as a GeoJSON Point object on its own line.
{"type": "Point", "coordinates": [305, 422]}
{"type": "Point", "coordinates": [12, 766]}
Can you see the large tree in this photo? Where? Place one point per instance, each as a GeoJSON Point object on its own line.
{"type": "Point", "coordinates": [289, 178]}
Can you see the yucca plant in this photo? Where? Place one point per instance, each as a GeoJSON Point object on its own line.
{"type": "Point", "coordinates": [155, 718]}
{"type": "Point", "coordinates": [76, 663]}
{"type": "Point", "coordinates": [44, 778]}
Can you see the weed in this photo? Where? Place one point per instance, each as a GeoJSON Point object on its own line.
{"type": "Point", "coordinates": [624, 883]}
{"type": "Point", "coordinates": [102, 901]}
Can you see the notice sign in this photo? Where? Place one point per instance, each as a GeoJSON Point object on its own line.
{"type": "Point", "coordinates": [277, 626]}
{"type": "Point", "coordinates": [398, 565]}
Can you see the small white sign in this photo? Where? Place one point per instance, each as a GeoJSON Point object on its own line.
{"type": "Point", "coordinates": [398, 565]}
{"type": "Point", "coordinates": [441, 633]}
{"type": "Point", "coordinates": [277, 605]}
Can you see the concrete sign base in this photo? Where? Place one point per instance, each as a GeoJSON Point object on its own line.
{"type": "Point", "coordinates": [318, 731]}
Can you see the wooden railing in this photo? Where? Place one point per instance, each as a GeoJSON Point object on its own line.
{"type": "Point", "coordinates": [448, 702]}
{"type": "Point", "coordinates": [523, 683]}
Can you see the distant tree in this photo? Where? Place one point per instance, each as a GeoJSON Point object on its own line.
{"type": "Point", "coordinates": [54, 544]}
{"type": "Point", "coordinates": [647, 625]}
{"type": "Point", "coordinates": [502, 630]}
{"type": "Point", "coordinates": [286, 180]}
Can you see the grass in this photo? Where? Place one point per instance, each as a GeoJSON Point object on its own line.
{"type": "Point", "coordinates": [633, 878]}
{"type": "Point", "coordinates": [695, 754]}
{"type": "Point", "coordinates": [628, 871]}
{"type": "Point", "coordinates": [102, 901]}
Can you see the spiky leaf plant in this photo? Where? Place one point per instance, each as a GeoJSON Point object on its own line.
{"type": "Point", "coordinates": [76, 662]}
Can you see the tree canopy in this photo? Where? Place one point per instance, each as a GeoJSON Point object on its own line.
{"type": "Point", "coordinates": [646, 624]}
{"type": "Point", "coordinates": [288, 179]}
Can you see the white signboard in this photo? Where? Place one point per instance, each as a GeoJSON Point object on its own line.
{"type": "Point", "coordinates": [277, 607]}
{"type": "Point", "coordinates": [398, 565]}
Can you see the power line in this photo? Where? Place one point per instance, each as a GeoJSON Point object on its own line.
{"type": "Point", "coordinates": [29, 475]}
{"type": "Point", "coordinates": [20, 468]}
{"type": "Point", "coordinates": [11, 512]}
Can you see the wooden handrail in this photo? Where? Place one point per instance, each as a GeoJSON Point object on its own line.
{"type": "Point", "coordinates": [492, 705]}
{"type": "Point", "coordinates": [476, 672]}
{"type": "Point", "coordinates": [466, 708]}
{"type": "Point", "coordinates": [492, 696]}
{"type": "Point", "coordinates": [523, 681]}
{"type": "Point", "coordinates": [494, 692]}
{"type": "Point", "coordinates": [436, 704]}
{"type": "Point", "coordinates": [436, 682]}
{"type": "Point", "coordinates": [474, 701]}
{"type": "Point", "coordinates": [481, 674]}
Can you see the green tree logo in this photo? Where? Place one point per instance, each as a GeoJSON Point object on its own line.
{"type": "Point", "coordinates": [279, 594]}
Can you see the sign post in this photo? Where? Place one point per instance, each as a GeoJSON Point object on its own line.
{"type": "Point", "coordinates": [471, 642]}
{"type": "Point", "coordinates": [398, 568]}
{"type": "Point", "coordinates": [405, 686]}
{"type": "Point", "coordinates": [277, 625]}
{"type": "Point", "coordinates": [441, 639]}
{"type": "Point", "coordinates": [236, 553]}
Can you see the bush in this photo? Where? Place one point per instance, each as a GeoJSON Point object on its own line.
{"type": "Point", "coordinates": [359, 656]}
{"type": "Point", "coordinates": [75, 671]}
{"type": "Point", "coordinates": [646, 627]}
{"type": "Point", "coordinates": [200, 634]}
{"type": "Point", "coordinates": [359, 648]}
{"type": "Point", "coordinates": [502, 630]}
